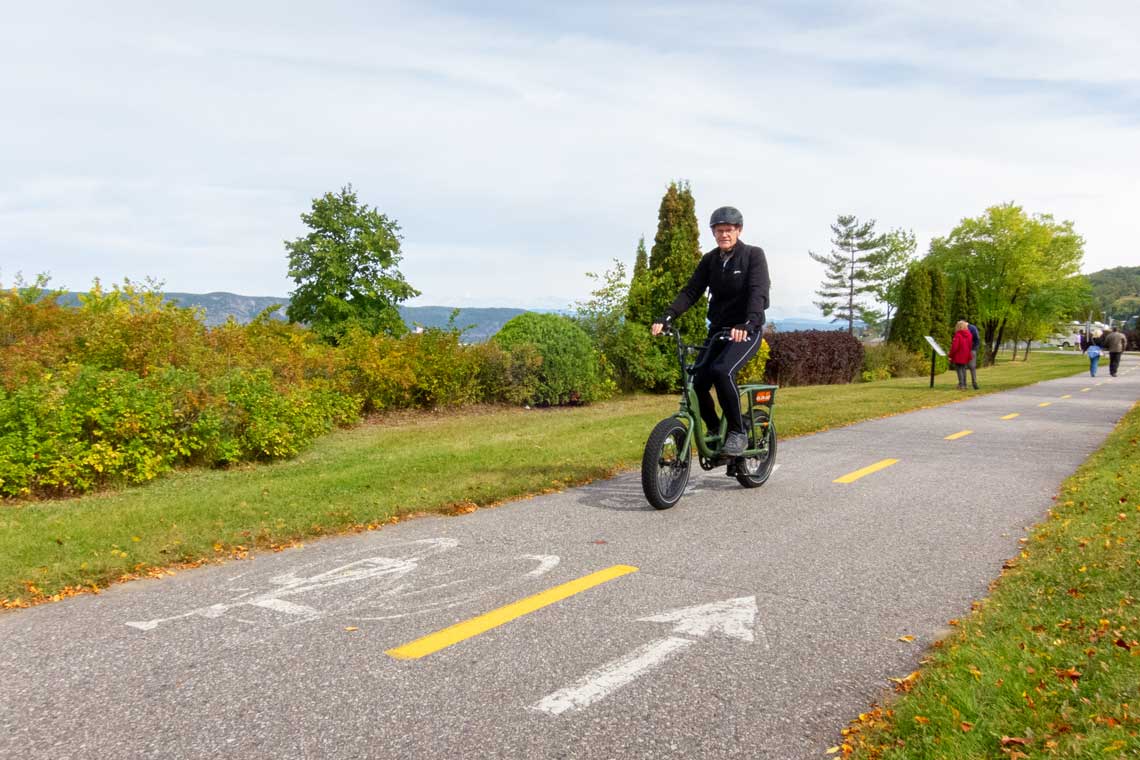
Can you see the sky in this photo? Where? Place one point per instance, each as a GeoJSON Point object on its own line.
{"type": "Point", "coordinates": [520, 146]}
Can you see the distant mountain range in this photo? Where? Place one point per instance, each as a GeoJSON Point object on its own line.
{"type": "Point", "coordinates": [478, 324]}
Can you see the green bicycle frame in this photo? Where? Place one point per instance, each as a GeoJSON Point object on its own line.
{"type": "Point", "coordinates": [759, 395]}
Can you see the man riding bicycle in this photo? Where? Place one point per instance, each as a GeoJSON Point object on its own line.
{"type": "Point", "coordinates": [736, 276]}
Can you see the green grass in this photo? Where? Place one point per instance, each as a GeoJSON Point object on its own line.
{"type": "Point", "coordinates": [1051, 659]}
{"type": "Point", "coordinates": [354, 479]}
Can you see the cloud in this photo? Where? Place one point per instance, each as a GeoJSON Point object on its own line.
{"type": "Point", "coordinates": [520, 146]}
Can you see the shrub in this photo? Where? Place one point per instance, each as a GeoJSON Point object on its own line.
{"type": "Point", "coordinates": [509, 377]}
{"type": "Point", "coordinates": [753, 371]}
{"type": "Point", "coordinates": [886, 360]}
{"type": "Point", "coordinates": [570, 370]}
{"type": "Point", "coordinates": [813, 357]}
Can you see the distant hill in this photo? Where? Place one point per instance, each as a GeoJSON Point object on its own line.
{"type": "Point", "coordinates": [1117, 290]}
{"type": "Point", "coordinates": [478, 324]}
{"type": "Point", "coordinates": [218, 307]}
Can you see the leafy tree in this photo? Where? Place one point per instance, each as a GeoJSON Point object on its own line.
{"type": "Point", "coordinates": [675, 254]}
{"type": "Point", "coordinates": [913, 317]}
{"type": "Point", "coordinates": [626, 347]}
{"type": "Point", "coordinates": [1008, 255]}
{"type": "Point", "coordinates": [346, 269]}
{"type": "Point", "coordinates": [850, 273]}
{"type": "Point", "coordinates": [888, 267]}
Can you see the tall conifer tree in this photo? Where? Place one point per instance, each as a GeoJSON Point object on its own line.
{"type": "Point", "coordinates": [913, 316]}
{"type": "Point", "coordinates": [675, 254]}
{"type": "Point", "coordinates": [849, 276]}
{"type": "Point", "coordinates": [940, 321]}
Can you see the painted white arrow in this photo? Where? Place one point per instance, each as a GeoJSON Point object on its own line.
{"type": "Point", "coordinates": [734, 618]}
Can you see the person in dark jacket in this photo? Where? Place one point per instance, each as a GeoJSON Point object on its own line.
{"type": "Point", "coordinates": [736, 276]}
{"type": "Point", "coordinates": [1115, 343]}
{"type": "Point", "coordinates": [960, 351]}
{"type": "Point", "coordinates": [975, 343]}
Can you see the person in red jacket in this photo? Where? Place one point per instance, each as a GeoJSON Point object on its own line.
{"type": "Point", "coordinates": [960, 348]}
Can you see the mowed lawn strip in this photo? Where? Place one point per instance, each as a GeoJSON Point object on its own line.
{"type": "Point", "coordinates": [1049, 664]}
{"type": "Point", "coordinates": [355, 479]}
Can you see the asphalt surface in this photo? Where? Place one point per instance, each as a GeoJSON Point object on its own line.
{"type": "Point", "coordinates": [284, 656]}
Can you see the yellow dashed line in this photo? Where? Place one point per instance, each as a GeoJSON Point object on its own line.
{"type": "Point", "coordinates": [442, 639]}
{"type": "Point", "coordinates": [960, 434]}
{"type": "Point", "coordinates": [1046, 403]}
{"type": "Point", "coordinates": [1067, 395]}
{"type": "Point", "coordinates": [1085, 390]}
{"type": "Point", "coordinates": [1011, 416]}
{"type": "Point", "coordinates": [851, 477]}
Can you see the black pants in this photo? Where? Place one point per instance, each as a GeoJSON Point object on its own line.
{"type": "Point", "coordinates": [722, 360]}
{"type": "Point", "coordinates": [1113, 362]}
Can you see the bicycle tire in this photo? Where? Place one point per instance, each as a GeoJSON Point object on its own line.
{"type": "Point", "coordinates": [753, 472]}
{"type": "Point", "coordinates": [664, 466]}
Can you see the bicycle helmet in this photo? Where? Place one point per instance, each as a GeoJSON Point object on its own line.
{"type": "Point", "coordinates": [726, 215]}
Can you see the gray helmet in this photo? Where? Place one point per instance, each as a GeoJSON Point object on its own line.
{"type": "Point", "coordinates": [726, 215]}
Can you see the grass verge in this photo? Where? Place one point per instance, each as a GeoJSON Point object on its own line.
{"type": "Point", "coordinates": [361, 478]}
{"type": "Point", "coordinates": [1049, 664]}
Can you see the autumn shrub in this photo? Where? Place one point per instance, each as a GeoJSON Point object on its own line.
{"type": "Point", "coordinates": [508, 377]}
{"type": "Point", "coordinates": [813, 357]}
{"type": "Point", "coordinates": [885, 360]}
{"type": "Point", "coordinates": [570, 370]}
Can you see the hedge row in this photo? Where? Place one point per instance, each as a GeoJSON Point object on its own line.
{"type": "Point", "coordinates": [813, 357]}
{"type": "Point", "coordinates": [127, 386]}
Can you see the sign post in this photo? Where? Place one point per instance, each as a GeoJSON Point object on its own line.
{"type": "Point", "coordinates": [937, 350]}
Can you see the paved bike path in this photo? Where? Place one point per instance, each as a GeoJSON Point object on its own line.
{"type": "Point", "coordinates": [285, 656]}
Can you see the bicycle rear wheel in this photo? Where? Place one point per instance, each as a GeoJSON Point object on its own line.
{"type": "Point", "coordinates": [754, 471]}
{"type": "Point", "coordinates": [665, 464]}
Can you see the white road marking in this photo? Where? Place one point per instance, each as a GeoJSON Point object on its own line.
{"type": "Point", "coordinates": [280, 605]}
{"type": "Point", "coordinates": [546, 563]}
{"type": "Point", "coordinates": [388, 568]}
{"type": "Point", "coordinates": [733, 618]}
{"type": "Point", "coordinates": [612, 676]}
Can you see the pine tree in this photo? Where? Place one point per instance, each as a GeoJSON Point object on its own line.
{"type": "Point", "coordinates": [958, 300]}
{"type": "Point", "coordinates": [638, 306]}
{"type": "Point", "coordinates": [913, 316]}
{"type": "Point", "coordinates": [675, 254]}
{"type": "Point", "coordinates": [850, 272]}
{"type": "Point", "coordinates": [940, 321]}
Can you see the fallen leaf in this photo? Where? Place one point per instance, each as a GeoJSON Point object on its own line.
{"type": "Point", "coordinates": [922, 721]}
{"type": "Point", "coordinates": [966, 727]}
{"type": "Point", "coordinates": [907, 639]}
{"type": "Point", "coordinates": [1071, 673]}
{"type": "Point", "coordinates": [351, 628]}
{"type": "Point", "coordinates": [1006, 741]}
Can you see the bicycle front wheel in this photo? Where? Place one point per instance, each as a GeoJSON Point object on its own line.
{"type": "Point", "coordinates": [665, 464]}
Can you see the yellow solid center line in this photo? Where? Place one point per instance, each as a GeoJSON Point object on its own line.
{"type": "Point", "coordinates": [959, 434]}
{"type": "Point", "coordinates": [1046, 403]}
{"type": "Point", "coordinates": [442, 639]}
{"type": "Point", "coordinates": [851, 477]}
{"type": "Point", "coordinates": [1011, 416]}
{"type": "Point", "coordinates": [1067, 395]}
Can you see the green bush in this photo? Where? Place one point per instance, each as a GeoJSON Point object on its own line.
{"type": "Point", "coordinates": [571, 371]}
{"type": "Point", "coordinates": [886, 360]}
{"type": "Point", "coordinates": [753, 371]}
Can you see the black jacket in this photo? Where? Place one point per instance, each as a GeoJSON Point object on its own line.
{"type": "Point", "coordinates": [738, 288]}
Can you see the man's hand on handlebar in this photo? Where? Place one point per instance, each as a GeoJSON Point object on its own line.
{"type": "Point", "coordinates": [656, 328]}
{"type": "Point", "coordinates": [738, 335]}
